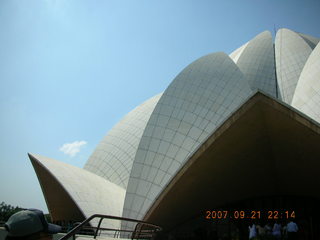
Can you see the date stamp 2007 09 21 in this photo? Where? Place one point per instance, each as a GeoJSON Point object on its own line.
{"type": "Point", "coordinates": [251, 214]}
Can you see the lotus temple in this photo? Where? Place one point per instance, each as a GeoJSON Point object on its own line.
{"type": "Point", "coordinates": [231, 133]}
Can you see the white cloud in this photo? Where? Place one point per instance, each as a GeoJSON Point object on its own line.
{"type": "Point", "coordinates": [72, 149]}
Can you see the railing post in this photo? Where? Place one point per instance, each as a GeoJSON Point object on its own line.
{"type": "Point", "coordinates": [98, 227]}
{"type": "Point", "coordinates": [136, 233]}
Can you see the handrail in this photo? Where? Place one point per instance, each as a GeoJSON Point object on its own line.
{"type": "Point", "coordinates": [134, 235]}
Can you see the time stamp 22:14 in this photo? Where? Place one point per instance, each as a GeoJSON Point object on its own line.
{"type": "Point", "coordinates": [252, 214]}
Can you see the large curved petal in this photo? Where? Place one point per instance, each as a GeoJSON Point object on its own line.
{"type": "Point", "coordinates": [113, 157]}
{"type": "Point", "coordinates": [291, 52]}
{"type": "Point", "coordinates": [198, 100]}
{"type": "Point", "coordinates": [307, 95]}
{"type": "Point", "coordinates": [90, 193]}
{"type": "Point", "coordinates": [257, 64]}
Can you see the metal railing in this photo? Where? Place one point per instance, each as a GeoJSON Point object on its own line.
{"type": "Point", "coordinates": [142, 230]}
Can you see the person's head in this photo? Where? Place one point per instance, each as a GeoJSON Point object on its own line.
{"type": "Point", "coordinates": [30, 225]}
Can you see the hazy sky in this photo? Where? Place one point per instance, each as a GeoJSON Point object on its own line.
{"type": "Point", "coordinates": [71, 69]}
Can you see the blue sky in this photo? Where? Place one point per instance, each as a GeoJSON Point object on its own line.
{"type": "Point", "coordinates": [71, 69]}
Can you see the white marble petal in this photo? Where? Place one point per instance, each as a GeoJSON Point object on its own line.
{"type": "Point", "coordinates": [257, 64]}
{"type": "Point", "coordinates": [198, 100]}
{"type": "Point", "coordinates": [92, 194]}
{"type": "Point", "coordinates": [291, 52]}
{"type": "Point", "coordinates": [113, 157]}
{"type": "Point", "coordinates": [307, 95]}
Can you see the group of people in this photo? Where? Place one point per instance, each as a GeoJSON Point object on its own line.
{"type": "Point", "coordinates": [289, 231]}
